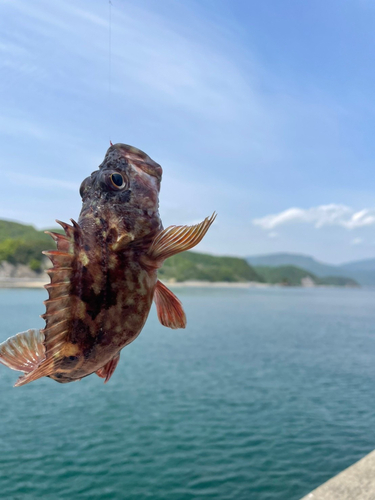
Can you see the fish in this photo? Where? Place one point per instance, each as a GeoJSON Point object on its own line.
{"type": "Point", "coordinates": [104, 274]}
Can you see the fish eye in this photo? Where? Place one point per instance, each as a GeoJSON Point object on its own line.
{"type": "Point", "coordinates": [117, 180]}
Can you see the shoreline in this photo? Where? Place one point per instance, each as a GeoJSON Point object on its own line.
{"type": "Point", "coordinates": [32, 283]}
{"type": "Point", "coordinates": [28, 283]}
{"type": "Point", "coordinates": [22, 283]}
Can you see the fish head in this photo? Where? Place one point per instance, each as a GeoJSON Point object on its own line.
{"type": "Point", "coordinates": [124, 189]}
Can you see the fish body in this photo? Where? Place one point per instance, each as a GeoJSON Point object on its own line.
{"type": "Point", "coordinates": [104, 274]}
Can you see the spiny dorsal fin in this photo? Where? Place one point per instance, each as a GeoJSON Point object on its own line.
{"type": "Point", "coordinates": [34, 352]}
{"type": "Point", "coordinates": [56, 290]}
{"type": "Point", "coordinates": [176, 239]}
{"type": "Point", "coordinates": [58, 305]}
{"type": "Point", "coordinates": [59, 259]}
{"type": "Point", "coordinates": [168, 307]}
{"type": "Point", "coordinates": [64, 244]}
{"type": "Point", "coordinates": [59, 275]}
{"type": "Point", "coordinates": [73, 231]}
{"type": "Point", "coordinates": [107, 370]}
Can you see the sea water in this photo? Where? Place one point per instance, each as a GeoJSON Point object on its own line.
{"type": "Point", "coordinates": [265, 395]}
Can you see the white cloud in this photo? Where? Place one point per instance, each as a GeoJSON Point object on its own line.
{"type": "Point", "coordinates": [151, 57]}
{"type": "Point", "coordinates": [356, 241]}
{"type": "Point", "coordinates": [273, 234]}
{"type": "Point", "coordinates": [322, 215]}
{"type": "Point", "coordinates": [365, 217]}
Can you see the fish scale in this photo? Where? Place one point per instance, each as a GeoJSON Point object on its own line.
{"type": "Point", "coordinates": [104, 274]}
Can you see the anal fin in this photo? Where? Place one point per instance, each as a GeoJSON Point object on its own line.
{"type": "Point", "coordinates": [107, 370]}
{"type": "Point", "coordinates": [24, 352]}
{"type": "Point", "coordinates": [168, 307]}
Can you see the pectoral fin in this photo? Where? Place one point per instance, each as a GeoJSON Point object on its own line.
{"type": "Point", "coordinates": [24, 352]}
{"type": "Point", "coordinates": [168, 307]}
{"type": "Point", "coordinates": [176, 239]}
{"type": "Point", "coordinates": [107, 370]}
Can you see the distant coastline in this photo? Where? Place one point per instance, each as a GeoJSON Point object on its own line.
{"type": "Point", "coordinates": [39, 283]}
{"type": "Point", "coordinates": [22, 283]}
{"type": "Point", "coordinates": [32, 283]}
{"type": "Point", "coordinates": [23, 265]}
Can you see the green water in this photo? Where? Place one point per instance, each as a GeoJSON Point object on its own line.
{"type": "Point", "coordinates": [267, 394]}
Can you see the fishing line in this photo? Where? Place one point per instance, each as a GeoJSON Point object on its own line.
{"type": "Point", "coordinates": [109, 69]}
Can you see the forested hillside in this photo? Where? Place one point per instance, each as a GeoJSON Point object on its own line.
{"type": "Point", "coordinates": [198, 266]}
{"type": "Point", "coordinates": [22, 244]}
{"type": "Point", "coordinates": [293, 276]}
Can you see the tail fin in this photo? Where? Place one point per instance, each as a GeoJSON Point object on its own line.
{"type": "Point", "coordinates": [24, 352]}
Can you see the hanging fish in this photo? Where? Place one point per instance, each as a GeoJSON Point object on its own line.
{"type": "Point", "coordinates": [104, 274]}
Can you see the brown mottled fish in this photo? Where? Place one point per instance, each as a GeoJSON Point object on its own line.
{"type": "Point", "coordinates": [104, 274]}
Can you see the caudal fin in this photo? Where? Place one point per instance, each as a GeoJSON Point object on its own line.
{"type": "Point", "coordinates": [24, 352]}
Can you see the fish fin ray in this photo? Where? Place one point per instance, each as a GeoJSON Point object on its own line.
{"type": "Point", "coordinates": [45, 369]}
{"type": "Point", "coordinates": [59, 259]}
{"type": "Point", "coordinates": [57, 290]}
{"type": "Point", "coordinates": [176, 239]}
{"type": "Point", "coordinates": [25, 352]}
{"type": "Point", "coordinates": [73, 232]}
{"type": "Point", "coordinates": [168, 307]}
{"type": "Point", "coordinates": [107, 370]}
{"type": "Point", "coordinates": [63, 242]}
{"type": "Point", "coordinates": [58, 313]}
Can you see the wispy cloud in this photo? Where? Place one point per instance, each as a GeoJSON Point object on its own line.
{"type": "Point", "coordinates": [149, 56]}
{"type": "Point", "coordinates": [16, 177]}
{"type": "Point", "coordinates": [322, 215]}
{"type": "Point", "coordinates": [19, 126]}
{"type": "Point", "coordinates": [214, 107]}
{"type": "Point", "coordinates": [356, 241]}
{"type": "Point", "coordinates": [273, 234]}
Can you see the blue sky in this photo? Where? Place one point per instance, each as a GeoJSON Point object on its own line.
{"type": "Point", "coordinates": [262, 111]}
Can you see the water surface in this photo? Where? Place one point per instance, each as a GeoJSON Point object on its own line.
{"type": "Point", "coordinates": [266, 394]}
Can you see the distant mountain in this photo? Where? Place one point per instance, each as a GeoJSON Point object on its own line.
{"type": "Point", "coordinates": [296, 276]}
{"type": "Point", "coordinates": [361, 271]}
{"type": "Point", "coordinates": [202, 267]}
{"type": "Point", "coordinates": [291, 259]}
{"type": "Point", "coordinates": [286, 275]}
{"type": "Point", "coordinates": [15, 230]}
{"type": "Point", "coordinates": [360, 265]}
{"type": "Point", "coordinates": [21, 244]}
{"type": "Point", "coordinates": [337, 281]}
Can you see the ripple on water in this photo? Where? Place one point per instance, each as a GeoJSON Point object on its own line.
{"type": "Point", "coordinates": [267, 394]}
